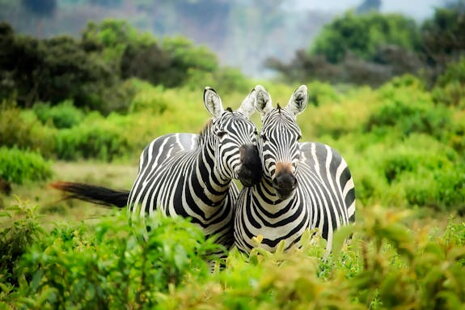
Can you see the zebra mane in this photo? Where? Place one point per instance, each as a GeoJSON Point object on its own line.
{"type": "Point", "coordinates": [229, 109]}
{"type": "Point", "coordinates": [204, 131]}
{"type": "Point", "coordinates": [279, 108]}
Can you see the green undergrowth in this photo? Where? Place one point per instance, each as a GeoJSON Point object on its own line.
{"type": "Point", "coordinates": [389, 262]}
{"type": "Point", "coordinates": [18, 166]}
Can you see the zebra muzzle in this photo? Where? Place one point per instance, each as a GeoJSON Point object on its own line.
{"type": "Point", "coordinates": [284, 183]}
{"type": "Point", "coordinates": [250, 171]}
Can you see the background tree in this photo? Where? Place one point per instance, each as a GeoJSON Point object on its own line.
{"type": "Point", "coordinates": [443, 37]}
{"type": "Point", "coordinates": [362, 35]}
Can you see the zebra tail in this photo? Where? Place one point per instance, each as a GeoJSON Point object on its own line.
{"type": "Point", "coordinates": [91, 193]}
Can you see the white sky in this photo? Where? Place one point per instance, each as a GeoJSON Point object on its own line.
{"type": "Point", "coordinates": [418, 9]}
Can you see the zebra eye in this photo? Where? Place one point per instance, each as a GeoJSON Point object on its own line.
{"type": "Point", "coordinates": [221, 133]}
{"type": "Point", "coordinates": [263, 137]}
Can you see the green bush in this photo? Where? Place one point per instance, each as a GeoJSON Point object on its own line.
{"type": "Point", "coordinates": [15, 240]}
{"type": "Point", "coordinates": [227, 80]}
{"type": "Point", "coordinates": [19, 128]}
{"type": "Point", "coordinates": [407, 159]}
{"type": "Point", "coordinates": [390, 262]}
{"type": "Point", "coordinates": [111, 265]}
{"type": "Point", "coordinates": [19, 166]}
{"type": "Point", "coordinates": [450, 86]}
{"type": "Point", "coordinates": [323, 93]}
{"type": "Point", "coordinates": [441, 189]}
{"type": "Point", "coordinates": [51, 70]}
{"type": "Point", "coordinates": [149, 98]}
{"type": "Point", "coordinates": [385, 266]}
{"type": "Point", "coordinates": [103, 141]}
{"type": "Point", "coordinates": [409, 108]}
{"type": "Point", "coordinates": [92, 71]}
{"type": "Point", "coordinates": [63, 115]}
{"type": "Point", "coordinates": [362, 35]}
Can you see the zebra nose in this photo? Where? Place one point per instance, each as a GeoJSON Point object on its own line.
{"type": "Point", "coordinates": [285, 182]}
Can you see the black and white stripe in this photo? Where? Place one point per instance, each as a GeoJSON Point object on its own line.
{"type": "Point", "coordinates": [190, 175]}
{"type": "Point", "coordinates": [304, 185]}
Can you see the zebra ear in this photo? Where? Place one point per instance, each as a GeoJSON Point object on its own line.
{"type": "Point", "coordinates": [212, 102]}
{"type": "Point", "coordinates": [247, 106]}
{"type": "Point", "coordinates": [263, 102]}
{"type": "Point", "coordinates": [298, 101]}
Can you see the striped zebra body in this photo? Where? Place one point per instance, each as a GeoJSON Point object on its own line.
{"type": "Point", "coordinates": [178, 178]}
{"type": "Point", "coordinates": [304, 185]}
{"type": "Point", "coordinates": [323, 199]}
{"type": "Point", "coordinates": [191, 175]}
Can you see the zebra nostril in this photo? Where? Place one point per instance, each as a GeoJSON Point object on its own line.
{"type": "Point", "coordinates": [285, 181]}
{"type": "Point", "coordinates": [293, 181]}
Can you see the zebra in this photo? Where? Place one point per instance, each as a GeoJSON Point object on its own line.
{"type": "Point", "coordinates": [305, 185]}
{"type": "Point", "coordinates": [191, 175]}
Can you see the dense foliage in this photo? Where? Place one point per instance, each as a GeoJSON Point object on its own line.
{"type": "Point", "coordinates": [362, 35]}
{"type": "Point", "coordinates": [18, 166]}
{"type": "Point", "coordinates": [371, 48]}
{"type": "Point", "coordinates": [108, 265]}
{"type": "Point", "coordinates": [279, 26]}
{"type": "Point", "coordinates": [91, 71]}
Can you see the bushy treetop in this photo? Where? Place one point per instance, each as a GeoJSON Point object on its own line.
{"type": "Point", "coordinates": [362, 35]}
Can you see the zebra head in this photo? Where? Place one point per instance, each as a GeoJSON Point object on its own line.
{"type": "Point", "coordinates": [278, 144]}
{"type": "Point", "coordinates": [234, 139]}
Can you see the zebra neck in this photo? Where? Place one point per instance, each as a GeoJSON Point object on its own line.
{"type": "Point", "coordinates": [208, 176]}
{"type": "Point", "coordinates": [268, 195]}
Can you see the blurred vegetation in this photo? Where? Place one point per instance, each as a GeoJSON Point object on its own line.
{"type": "Point", "coordinates": [62, 115]}
{"type": "Point", "coordinates": [92, 71]}
{"type": "Point", "coordinates": [279, 27]}
{"type": "Point", "coordinates": [362, 35]}
{"type": "Point", "coordinates": [108, 265]}
{"type": "Point", "coordinates": [372, 48]}
{"type": "Point", "coordinates": [389, 262]}
{"type": "Point", "coordinates": [18, 166]}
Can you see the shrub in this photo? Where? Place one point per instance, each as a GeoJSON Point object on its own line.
{"type": "Point", "coordinates": [63, 115]}
{"type": "Point", "coordinates": [385, 266]}
{"type": "Point", "coordinates": [14, 131]}
{"type": "Point", "coordinates": [19, 166]}
{"type": "Point", "coordinates": [103, 141]}
{"type": "Point", "coordinates": [363, 34]}
{"type": "Point", "coordinates": [407, 159]}
{"type": "Point", "coordinates": [450, 86]}
{"type": "Point", "coordinates": [15, 239]}
{"type": "Point", "coordinates": [334, 116]}
{"type": "Point", "coordinates": [149, 98]}
{"type": "Point", "coordinates": [390, 262]}
{"type": "Point", "coordinates": [322, 93]}
{"type": "Point", "coordinates": [409, 108]}
{"type": "Point", "coordinates": [22, 129]}
{"type": "Point", "coordinates": [52, 70]}
{"type": "Point", "coordinates": [226, 80]}
{"type": "Point", "coordinates": [111, 265]}
{"type": "Point", "coordinates": [442, 189]}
